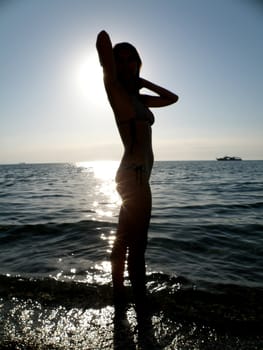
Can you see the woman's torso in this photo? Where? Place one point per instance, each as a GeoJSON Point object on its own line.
{"type": "Point", "coordinates": [136, 134]}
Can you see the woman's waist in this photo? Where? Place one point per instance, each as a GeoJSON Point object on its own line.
{"type": "Point", "coordinates": [128, 167]}
{"type": "Point", "coordinates": [137, 159]}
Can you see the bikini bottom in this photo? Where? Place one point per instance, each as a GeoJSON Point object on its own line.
{"type": "Point", "coordinates": [126, 172]}
{"type": "Point", "coordinates": [134, 189]}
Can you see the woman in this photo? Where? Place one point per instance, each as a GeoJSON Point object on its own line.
{"type": "Point", "coordinates": [121, 67]}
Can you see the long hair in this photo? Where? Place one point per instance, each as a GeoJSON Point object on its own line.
{"type": "Point", "coordinates": [127, 46]}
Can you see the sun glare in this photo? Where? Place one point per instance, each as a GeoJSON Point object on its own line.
{"type": "Point", "coordinates": [89, 79]}
{"type": "Point", "coordinates": [105, 169]}
{"type": "Point", "coordinates": [106, 199]}
{"type": "Point", "coordinates": [102, 169]}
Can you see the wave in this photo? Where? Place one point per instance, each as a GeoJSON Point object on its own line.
{"type": "Point", "coordinates": [224, 206]}
{"type": "Point", "coordinates": [231, 307]}
{"type": "Point", "coordinates": [12, 232]}
{"type": "Point", "coordinates": [91, 227]}
{"type": "Point", "coordinates": [222, 253]}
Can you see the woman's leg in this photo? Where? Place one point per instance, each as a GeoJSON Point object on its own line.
{"type": "Point", "coordinates": [137, 242]}
{"type": "Point", "coordinates": [118, 257]}
{"type": "Point", "coordinates": [137, 269]}
{"type": "Point", "coordinates": [132, 233]}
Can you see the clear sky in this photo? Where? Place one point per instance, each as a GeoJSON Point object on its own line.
{"type": "Point", "coordinates": [52, 103]}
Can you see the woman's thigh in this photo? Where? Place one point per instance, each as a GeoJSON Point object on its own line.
{"type": "Point", "coordinates": [135, 193]}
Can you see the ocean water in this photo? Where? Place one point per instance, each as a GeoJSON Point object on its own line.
{"type": "Point", "coordinates": [204, 257]}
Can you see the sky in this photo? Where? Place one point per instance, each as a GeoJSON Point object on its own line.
{"type": "Point", "coordinates": [53, 107]}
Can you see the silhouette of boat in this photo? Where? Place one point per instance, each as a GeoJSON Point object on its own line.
{"type": "Point", "coordinates": [227, 158]}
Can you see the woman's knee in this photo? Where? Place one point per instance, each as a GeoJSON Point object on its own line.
{"type": "Point", "coordinates": [118, 252]}
{"type": "Point", "coordinates": [136, 255]}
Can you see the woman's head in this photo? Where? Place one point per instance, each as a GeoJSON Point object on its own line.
{"type": "Point", "coordinates": [128, 63]}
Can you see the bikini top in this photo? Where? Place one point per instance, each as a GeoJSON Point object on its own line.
{"type": "Point", "coordinates": [142, 113]}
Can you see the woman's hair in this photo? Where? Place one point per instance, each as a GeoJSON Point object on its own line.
{"type": "Point", "coordinates": [127, 46]}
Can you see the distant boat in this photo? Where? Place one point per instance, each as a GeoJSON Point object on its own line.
{"type": "Point", "coordinates": [227, 158]}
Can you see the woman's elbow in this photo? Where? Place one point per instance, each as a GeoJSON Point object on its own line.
{"type": "Point", "coordinates": [102, 34]}
{"type": "Point", "coordinates": [102, 37]}
{"type": "Point", "coordinates": [174, 98]}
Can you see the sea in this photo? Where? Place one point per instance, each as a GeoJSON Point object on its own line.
{"type": "Point", "coordinates": [204, 257]}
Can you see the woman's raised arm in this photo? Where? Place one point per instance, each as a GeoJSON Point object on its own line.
{"type": "Point", "coordinates": [104, 48]}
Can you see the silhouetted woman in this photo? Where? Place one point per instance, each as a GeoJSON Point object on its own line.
{"type": "Point", "coordinates": [121, 67]}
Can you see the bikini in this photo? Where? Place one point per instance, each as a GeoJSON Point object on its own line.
{"type": "Point", "coordinates": [142, 114]}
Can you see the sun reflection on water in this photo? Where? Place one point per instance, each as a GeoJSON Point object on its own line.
{"type": "Point", "coordinates": [106, 199]}
{"type": "Point", "coordinates": [102, 169]}
{"type": "Point", "coordinates": [102, 202]}
{"type": "Point", "coordinates": [28, 324]}
{"type": "Point", "coordinates": [110, 238]}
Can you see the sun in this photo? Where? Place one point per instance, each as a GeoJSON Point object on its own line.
{"type": "Point", "coordinates": [89, 79]}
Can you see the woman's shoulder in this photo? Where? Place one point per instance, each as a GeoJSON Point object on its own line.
{"type": "Point", "coordinates": [121, 102]}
